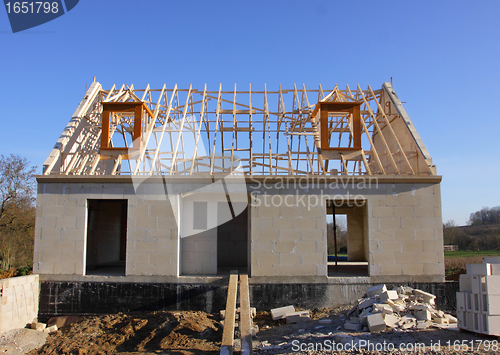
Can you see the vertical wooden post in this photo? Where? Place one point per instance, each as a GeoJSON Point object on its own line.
{"type": "Point", "coordinates": [137, 126]}
{"type": "Point", "coordinates": [105, 129]}
{"type": "Point", "coordinates": [325, 132]}
{"type": "Point", "coordinates": [356, 126]}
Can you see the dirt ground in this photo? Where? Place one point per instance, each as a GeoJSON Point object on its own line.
{"type": "Point", "coordinates": [146, 333]}
{"type": "Point", "coordinates": [189, 333]}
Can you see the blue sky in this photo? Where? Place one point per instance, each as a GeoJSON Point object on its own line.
{"type": "Point", "coordinates": [443, 57]}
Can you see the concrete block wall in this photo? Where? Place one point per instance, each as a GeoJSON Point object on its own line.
{"type": "Point", "coordinates": [18, 301]}
{"type": "Point", "coordinates": [198, 247]}
{"type": "Point", "coordinates": [405, 233]}
{"type": "Point", "coordinates": [288, 239]}
{"type": "Point", "coordinates": [402, 223]}
{"type": "Point", "coordinates": [61, 228]}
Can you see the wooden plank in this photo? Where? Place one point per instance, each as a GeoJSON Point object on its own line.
{"type": "Point", "coordinates": [197, 139]}
{"type": "Point", "coordinates": [160, 139]}
{"type": "Point", "coordinates": [217, 115]}
{"type": "Point", "coordinates": [179, 137]}
{"type": "Point", "coordinates": [228, 333]}
{"type": "Point", "coordinates": [250, 136]}
{"type": "Point", "coordinates": [245, 317]}
{"type": "Point", "coordinates": [148, 131]}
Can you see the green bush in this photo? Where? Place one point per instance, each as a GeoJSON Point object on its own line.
{"type": "Point", "coordinates": [25, 270]}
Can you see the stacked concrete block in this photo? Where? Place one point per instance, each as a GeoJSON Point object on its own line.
{"type": "Point", "coordinates": [18, 301]}
{"type": "Point", "coordinates": [478, 302]}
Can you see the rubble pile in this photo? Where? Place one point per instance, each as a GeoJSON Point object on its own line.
{"type": "Point", "coordinates": [402, 308]}
{"type": "Point", "coordinates": [42, 327]}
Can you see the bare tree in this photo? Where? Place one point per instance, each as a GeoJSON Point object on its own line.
{"type": "Point", "coordinates": [17, 210]}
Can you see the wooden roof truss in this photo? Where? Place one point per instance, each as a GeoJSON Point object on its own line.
{"type": "Point", "coordinates": [258, 132]}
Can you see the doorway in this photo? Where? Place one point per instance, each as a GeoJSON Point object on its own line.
{"type": "Point", "coordinates": [106, 237]}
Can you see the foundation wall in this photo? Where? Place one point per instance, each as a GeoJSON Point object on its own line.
{"type": "Point", "coordinates": [86, 298]}
{"type": "Point", "coordinates": [19, 298]}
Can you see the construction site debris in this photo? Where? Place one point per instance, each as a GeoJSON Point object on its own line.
{"type": "Point", "coordinates": [51, 329]}
{"type": "Point", "coordinates": [253, 312]}
{"type": "Point", "coordinates": [280, 313]}
{"type": "Point", "coordinates": [297, 317]}
{"type": "Point", "coordinates": [38, 326]}
{"type": "Point", "coordinates": [400, 309]}
{"type": "Point", "coordinates": [325, 321]}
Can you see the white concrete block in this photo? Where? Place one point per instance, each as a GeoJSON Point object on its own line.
{"type": "Point", "coordinates": [375, 322]}
{"type": "Point", "coordinates": [423, 324]}
{"type": "Point", "coordinates": [493, 285]}
{"type": "Point", "coordinates": [39, 326]}
{"type": "Point", "coordinates": [388, 295]}
{"type": "Point", "coordinates": [461, 301]}
{"type": "Point", "coordinates": [461, 320]}
{"type": "Point", "coordinates": [450, 318]}
{"type": "Point", "coordinates": [465, 283]}
{"type": "Point", "coordinates": [445, 321]}
{"type": "Point", "coordinates": [365, 303]}
{"type": "Point", "coordinates": [280, 313]}
{"type": "Point", "coordinates": [476, 281]}
{"type": "Point", "coordinates": [375, 290]}
{"type": "Point", "coordinates": [478, 269]}
{"type": "Point", "coordinates": [468, 321]}
{"type": "Point", "coordinates": [420, 307]}
{"type": "Point", "coordinates": [391, 320]}
{"type": "Point", "coordinates": [51, 329]}
{"type": "Point", "coordinates": [491, 259]}
{"type": "Point", "coordinates": [422, 315]}
{"type": "Point", "coordinates": [491, 304]}
{"type": "Point", "coordinates": [490, 325]}
{"type": "Point", "coordinates": [297, 317]}
{"type": "Point", "coordinates": [428, 297]}
{"type": "Point", "coordinates": [468, 302]}
{"type": "Point", "coordinates": [382, 308]}
{"type": "Point", "coordinates": [495, 269]}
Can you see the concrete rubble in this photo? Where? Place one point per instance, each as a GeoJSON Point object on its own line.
{"type": "Point", "coordinates": [42, 327]}
{"type": "Point", "coordinates": [290, 314]}
{"type": "Point", "coordinates": [400, 309]}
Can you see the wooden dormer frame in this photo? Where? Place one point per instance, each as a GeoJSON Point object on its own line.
{"type": "Point", "coordinates": [351, 107]}
{"type": "Point", "coordinates": [107, 108]}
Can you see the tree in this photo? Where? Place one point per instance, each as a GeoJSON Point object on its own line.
{"type": "Point", "coordinates": [485, 216]}
{"type": "Point", "coordinates": [449, 232]}
{"type": "Point", "coordinates": [17, 211]}
{"type": "Point", "coordinates": [341, 235]}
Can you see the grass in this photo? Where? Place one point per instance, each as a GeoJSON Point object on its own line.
{"type": "Point", "coordinates": [469, 253]}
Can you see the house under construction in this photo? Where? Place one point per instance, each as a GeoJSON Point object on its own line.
{"type": "Point", "coordinates": [167, 185]}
